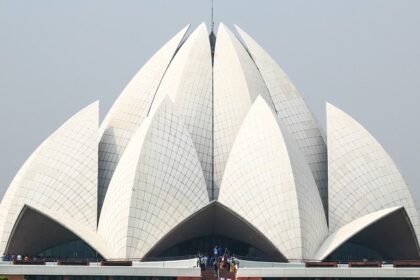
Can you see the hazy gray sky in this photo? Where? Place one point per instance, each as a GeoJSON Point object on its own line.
{"type": "Point", "coordinates": [58, 56]}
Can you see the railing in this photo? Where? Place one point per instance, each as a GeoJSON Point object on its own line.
{"type": "Point", "coordinates": [98, 260]}
{"type": "Point", "coordinates": [162, 262]}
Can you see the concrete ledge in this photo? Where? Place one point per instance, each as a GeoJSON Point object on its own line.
{"type": "Point", "coordinates": [376, 272]}
{"type": "Point", "coordinates": [99, 270]}
{"type": "Point", "coordinates": [194, 273]}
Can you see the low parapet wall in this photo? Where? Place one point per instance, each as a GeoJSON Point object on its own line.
{"type": "Point", "coordinates": [327, 272]}
{"type": "Point", "coordinates": [95, 269]}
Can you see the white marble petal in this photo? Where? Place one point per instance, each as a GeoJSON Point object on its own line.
{"type": "Point", "coordinates": [268, 183]}
{"type": "Point", "coordinates": [293, 113]}
{"type": "Point", "coordinates": [130, 109]}
{"type": "Point", "coordinates": [157, 184]}
{"type": "Point", "coordinates": [188, 82]}
{"type": "Point", "coordinates": [362, 177]}
{"type": "Point", "coordinates": [61, 175]}
{"type": "Point", "coordinates": [237, 83]}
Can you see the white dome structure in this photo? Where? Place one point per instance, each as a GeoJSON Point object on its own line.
{"type": "Point", "coordinates": [210, 143]}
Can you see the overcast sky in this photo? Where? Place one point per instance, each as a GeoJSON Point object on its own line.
{"type": "Point", "coordinates": [58, 56]}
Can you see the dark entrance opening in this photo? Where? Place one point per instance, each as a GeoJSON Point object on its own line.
{"type": "Point", "coordinates": [390, 238]}
{"type": "Point", "coordinates": [204, 245]}
{"type": "Point", "coordinates": [36, 235]}
{"type": "Point", "coordinates": [215, 224]}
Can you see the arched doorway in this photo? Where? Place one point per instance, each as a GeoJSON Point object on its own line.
{"type": "Point", "coordinates": [35, 234]}
{"type": "Point", "coordinates": [216, 224]}
{"type": "Point", "coordinates": [390, 238]}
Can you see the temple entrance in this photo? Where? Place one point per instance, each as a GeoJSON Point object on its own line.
{"type": "Point", "coordinates": [213, 225]}
{"type": "Point", "coordinates": [37, 235]}
{"type": "Point", "coordinates": [390, 238]}
{"type": "Point", "coordinates": [205, 245]}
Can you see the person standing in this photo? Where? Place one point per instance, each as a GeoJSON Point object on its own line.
{"type": "Point", "coordinates": [219, 251]}
{"type": "Point", "coordinates": [215, 268]}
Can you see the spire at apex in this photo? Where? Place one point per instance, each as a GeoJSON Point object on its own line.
{"type": "Point", "coordinates": [212, 15]}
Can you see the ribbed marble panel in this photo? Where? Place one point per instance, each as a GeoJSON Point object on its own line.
{"type": "Point", "coordinates": [268, 182]}
{"type": "Point", "coordinates": [293, 113]}
{"type": "Point", "coordinates": [129, 110]}
{"type": "Point", "coordinates": [61, 175]}
{"type": "Point", "coordinates": [188, 82]}
{"type": "Point", "coordinates": [237, 83]}
{"type": "Point", "coordinates": [362, 177]}
{"type": "Point", "coordinates": [159, 179]}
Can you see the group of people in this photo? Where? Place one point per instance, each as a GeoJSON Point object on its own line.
{"type": "Point", "coordinates": [18, 257]}
{"type": "Point", "coordinates": [221, 259]}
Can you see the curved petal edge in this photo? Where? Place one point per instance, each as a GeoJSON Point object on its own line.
{"type": "Point", "coordinates": [362, 176]}
{"type": "Point", "coordinates": [344, 233]}
{"type": "Point", "coordinates": [130, 109]}
{"type": "Point", "coordinates": [61, 175]}
{"type": "Point", "coordinates": [293, 112]}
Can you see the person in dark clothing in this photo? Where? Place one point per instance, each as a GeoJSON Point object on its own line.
{"type": "Point", "coordinates": [219, 251]}
{"type": "Point", "coordinates": [202, 263]}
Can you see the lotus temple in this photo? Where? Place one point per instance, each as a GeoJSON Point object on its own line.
{"type": "Point", "coordinates": [210, 143]}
